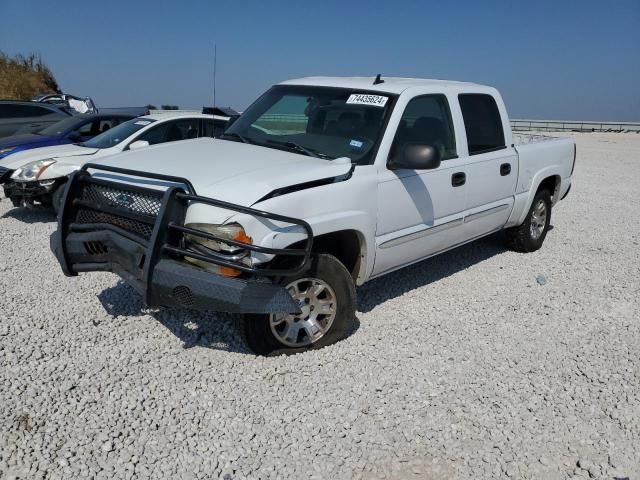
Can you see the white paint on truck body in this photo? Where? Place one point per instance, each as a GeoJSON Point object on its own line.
{"type": "Point", "coordinates": [400, 216]}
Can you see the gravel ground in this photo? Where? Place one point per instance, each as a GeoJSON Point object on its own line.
{"type": "Point", "coordinates": [481, 363]}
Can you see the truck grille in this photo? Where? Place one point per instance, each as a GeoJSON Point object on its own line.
{"type": "Point", "coordinates": [139, 209]}
{"type": "Point", "coordinates": [142, 229]}
{"type": "Point", "coordinates": [95, 204]}
{"type": "Point", "coordinates": [132, 201]}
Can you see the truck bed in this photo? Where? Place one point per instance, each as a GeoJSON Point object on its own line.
{"type": "Point", "coordinates": [526, 138]}
{"type": "Point", "coordinates": [541, 156]}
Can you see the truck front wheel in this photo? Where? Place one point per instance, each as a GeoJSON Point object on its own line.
{"type": "Point", "coordinates": [326, 295]}
{"type": "Point", "coordinates": [529, 236]}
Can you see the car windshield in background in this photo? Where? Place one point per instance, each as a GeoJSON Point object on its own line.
{"type": "Point", "coordinates": [321, 122]}
{"type": "Point", "coordinates": [117, 134]}
{"type": "Point", "coordinates": [60, 127]}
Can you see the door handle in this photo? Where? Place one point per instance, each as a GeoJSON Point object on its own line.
{"type": "Point", "coordinates": [458, 179]}
{"type": "Point", "coordinates": [505, 169]}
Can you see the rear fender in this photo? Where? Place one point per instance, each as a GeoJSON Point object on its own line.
{"type": "Point", "coordinates": [524, 200]}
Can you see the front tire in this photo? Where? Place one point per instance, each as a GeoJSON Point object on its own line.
{"type": "Point", "coordinates": [530, 236]}
{"type": "Point", "coordinates": [326, 294]}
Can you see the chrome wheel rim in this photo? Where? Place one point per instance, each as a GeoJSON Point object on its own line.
{"type": "Point", "coordinates": [317, 302]}
{"type": "Point", "coordinates": [538, 219]}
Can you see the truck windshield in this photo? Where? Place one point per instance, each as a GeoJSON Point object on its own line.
{"type": "Point", "coordinates": [115, 135]}
{"type": "Point", "coordinates": [321, 122]}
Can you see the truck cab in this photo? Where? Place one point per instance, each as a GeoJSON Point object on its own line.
{"type": "Point", "coordinates": [319, 186]}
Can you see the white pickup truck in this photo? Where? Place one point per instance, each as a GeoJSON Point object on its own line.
{"type": "Point", "coordinates": [320, 185]}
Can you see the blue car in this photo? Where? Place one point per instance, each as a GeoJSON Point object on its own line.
{"type": "Point", "coordinates": [76, 129]}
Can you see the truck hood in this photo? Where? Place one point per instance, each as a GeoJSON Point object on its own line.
{"type": "Point", "coordinates": [225, 170]}
{"type": "Point", "coordinates": [18, 159]}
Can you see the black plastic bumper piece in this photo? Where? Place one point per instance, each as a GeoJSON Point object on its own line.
{"type": "Point", "coordinates": [5, 174]}
{"type": "Point", "coordinates": [175, 284]}
{"type": "Point", "coordinates": [172, 284]}
{"type": "Point", "coordinates": [139, 233]}
{"type": "Point", "coordinates": [19, 191]}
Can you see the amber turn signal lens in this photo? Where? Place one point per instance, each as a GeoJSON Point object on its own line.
{"type": "Point", "coordinates": [241, 236]}
{"type": "Point", "coordinates": [229, 272]}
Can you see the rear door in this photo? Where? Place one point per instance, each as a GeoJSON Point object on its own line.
{"type": "Point", "coordinates": [491, 166]}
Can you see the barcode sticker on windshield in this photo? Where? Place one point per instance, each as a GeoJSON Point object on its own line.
{"type": "Point", "coordinates": [366, 99]}
{"type": "Point", "coordinates": [142, 122]}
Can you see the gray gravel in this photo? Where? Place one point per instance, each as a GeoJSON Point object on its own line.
{"type": "Point", "coordinates": [481, 363]}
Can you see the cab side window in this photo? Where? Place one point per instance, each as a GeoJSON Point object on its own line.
{"type": "Point", "coordinates": [481, 122]}
{"type": "Point", "coordinates": [426, 120]}
{"type": "Point", "coordinates": [171, 131]}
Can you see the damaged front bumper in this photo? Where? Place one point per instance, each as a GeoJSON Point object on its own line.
{"type": "Point", "coordinates": [21, 193]}
{"type": "Point", "coordinates": [137, 233]}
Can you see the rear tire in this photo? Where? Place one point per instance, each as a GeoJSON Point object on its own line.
{"type": "Point", "coordinates": [530, 236]}
{"type": "Point", "coordinates": [326, 293]}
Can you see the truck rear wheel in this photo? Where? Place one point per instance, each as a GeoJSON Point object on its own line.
{"type": "Point", "coordinates": [530, 236]}
{"type": "Point", "coordinates": [326, 295]}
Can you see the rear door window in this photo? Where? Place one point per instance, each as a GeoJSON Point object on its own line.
{"type": "Point", "coordinates": [482, 123]}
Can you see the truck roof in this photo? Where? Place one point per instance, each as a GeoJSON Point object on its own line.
{"type": "Point", "coordinates": [390, 84]}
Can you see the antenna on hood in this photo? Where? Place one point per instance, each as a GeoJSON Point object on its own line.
{"type": "Point", "coordinates": [378, 80]}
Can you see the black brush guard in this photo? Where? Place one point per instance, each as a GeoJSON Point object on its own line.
{"type": "Point", "coordinates": [138, 233]}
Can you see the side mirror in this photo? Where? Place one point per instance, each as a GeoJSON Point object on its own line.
{"type": "Point", "coordinates": [138, 144]}
{"type": "Point", "coordinates": [416, 157]}
{"type": "Point", "coordinates": [74, 136]}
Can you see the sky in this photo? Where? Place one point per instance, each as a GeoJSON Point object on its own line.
{"type": "Point", "coordinates": [562, 59]}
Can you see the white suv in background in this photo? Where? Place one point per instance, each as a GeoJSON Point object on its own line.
{"type": "Point", "coordinates": [38, 175]}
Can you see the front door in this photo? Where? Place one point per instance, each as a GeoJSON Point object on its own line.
{"type": "Point", "coordinates": [421, 212]}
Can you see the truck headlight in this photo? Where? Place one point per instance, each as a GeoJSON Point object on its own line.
{"type": "Point", "coordinates": [32, 171]}
{"type": "Point", "coordinates": [231, 231]}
